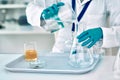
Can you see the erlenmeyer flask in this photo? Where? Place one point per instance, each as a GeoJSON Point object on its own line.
{"type": "Point", "coordinates": [98, 51]}
{"type": "Point", "coordinates": [80, 56]}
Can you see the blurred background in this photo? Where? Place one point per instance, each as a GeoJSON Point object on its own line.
{"type": "Point", "coordinates": [15, 30]}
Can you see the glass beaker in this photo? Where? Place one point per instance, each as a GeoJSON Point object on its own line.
{"type": "Point", "coordinates": [31, 55]}
{"type": "Point", "coordinates": [30, 51]}
{"type": "Point", "coordinates": [80, 56]}
{"type": "Point", "coordinates": [58, 21]}
{"type": "Point", "coordinates": [116, 65]}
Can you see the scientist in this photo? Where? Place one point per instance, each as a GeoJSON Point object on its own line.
{"type": "Point", "coordinates": [101, 21]}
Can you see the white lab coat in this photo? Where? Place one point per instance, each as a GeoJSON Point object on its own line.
{"type": "Point", "coordinates": [100, 13]}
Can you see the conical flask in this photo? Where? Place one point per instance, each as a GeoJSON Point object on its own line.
{"type": "Point", "coordinates": [80, 56]}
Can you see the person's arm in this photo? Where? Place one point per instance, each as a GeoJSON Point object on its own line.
{"type": "Point", "coordinates": [96, 18]}
{"type": "Point", "coordinates": [106, 16]}
{"type": "Point", "coordinates": [33, 12]}
{"type": "Point", "coordinates": [110, 36]}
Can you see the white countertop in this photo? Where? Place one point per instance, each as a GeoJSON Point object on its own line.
{"type": "Point", "coordinates": [102, 72]}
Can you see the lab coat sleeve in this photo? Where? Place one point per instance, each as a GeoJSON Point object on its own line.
{"type": "Point", "coordinates": [33, 12]}
{"type": "Point", "coordinates": [111, 36]}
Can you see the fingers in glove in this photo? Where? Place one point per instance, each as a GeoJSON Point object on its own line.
{"type": "Point", "coordinates": [82, 34]}
{"type": "Point", "coordinates": [60, 4]}
{"type": "Point", "coordinates": [82, 37]}
{"type": "Point", "coordinates": [46, 13]}
{"type": "Point", "coordinates": [91, 44]}
{"type": "Point", "coordinates": [88, 41]}
{"type": "Point", "coordinates": [55, 8]}
{"type": "Point", "coordinates": [52, 11]}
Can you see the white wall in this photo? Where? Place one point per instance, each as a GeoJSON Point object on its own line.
{"type": "Point", "coordinates": [13, 43]}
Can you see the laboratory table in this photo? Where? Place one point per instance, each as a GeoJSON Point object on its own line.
{"type": "Point", "coordinates": [103, 71]}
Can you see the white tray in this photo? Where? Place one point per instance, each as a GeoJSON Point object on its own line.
{"type": "Point", "coordinates": [55, 63]}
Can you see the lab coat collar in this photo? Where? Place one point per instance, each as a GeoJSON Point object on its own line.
{"type": "Point", "coordinates": [84, 2]}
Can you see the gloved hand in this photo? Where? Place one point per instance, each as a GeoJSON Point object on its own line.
{"type": "Point", "coordinates": [90, 37]}
{"type": "Point", "coordinates": [52, 10]}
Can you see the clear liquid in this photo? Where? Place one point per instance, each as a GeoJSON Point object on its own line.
{"type": "Point", "coordinates": [81, 57]}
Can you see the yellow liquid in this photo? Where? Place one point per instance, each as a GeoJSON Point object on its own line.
{"type": "Point", "coordinates": [30, 55]}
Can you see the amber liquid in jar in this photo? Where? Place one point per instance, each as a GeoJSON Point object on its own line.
{"type": "Point", "coordinates": [30, 55]}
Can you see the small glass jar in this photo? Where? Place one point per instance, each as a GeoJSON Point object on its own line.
{"type": "Point", "coordinates": [30, 51]}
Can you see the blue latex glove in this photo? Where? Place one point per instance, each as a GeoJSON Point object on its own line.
{"type": "Point", "coordinates": [52, 10]}
{"type": "Point", "coordinates": [90, 37]}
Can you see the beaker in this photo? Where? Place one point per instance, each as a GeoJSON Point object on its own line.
{"type": "Point", "coordinates": [30, 51]}
{"type": "Point", "coordinates": [58, 21]}
{"type": "Point", "coordinates": [31, 55]}
{"type": "Point", "coordinates": [80, 56]}
{"type": "Point", "coordinates": [116, 65]}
